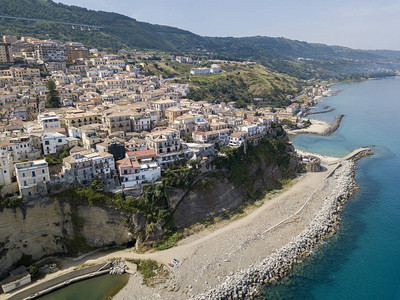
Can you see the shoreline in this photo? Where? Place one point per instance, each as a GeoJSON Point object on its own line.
{"type": "Point", "coordinates": [247, 283]}
{"type": "Point", "coordinates": [221, 256]}
{"type": "Point", "coordinates": [319, 127]}
{"type": "Point", "coordinates": [272, 249]}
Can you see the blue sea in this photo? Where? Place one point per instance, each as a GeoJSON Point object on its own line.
{"type": "Point", "coordinates": [362, 261]}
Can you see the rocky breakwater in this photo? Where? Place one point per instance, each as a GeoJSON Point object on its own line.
{"type": "Point", "coordinates": [246, 284]}
{"type": "Point", "coordinates": [334, 126]}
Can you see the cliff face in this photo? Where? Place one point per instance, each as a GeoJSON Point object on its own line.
{"type": "Point", "coordinates": [44, 230]}
{"type": "Point", "coordinates": [204, 202]}
{"type": "Point", "coordinates": [64, 225]}
{"type": "Point", "coordinates": [103, 227]}
{"type": "Point", "coordinates": [241, 179]}
{"type": "Point", "coordinates": [37, 232]}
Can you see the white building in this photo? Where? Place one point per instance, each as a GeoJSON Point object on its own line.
{"type": "Point", "coordinates": [49, 121]}
{"type": "Point", "coordinates": [215, 68]}
{"type": "Point", "coordinates": [133, 173]}
{"type": "Point", "coordinates": [53, 141]}
{"type": "Point", "coordinates": [250, 130]}
{"type": "Point", "coordinates": [75, 132]}
{"type": "Point", "coordinates": [200, 71]}
{"type": "Point", "coordinates": [18, 277]}
{"type": "Point", "coordinates": [32, 177]}
{"type": "Point", "coordinates": [236, 139]}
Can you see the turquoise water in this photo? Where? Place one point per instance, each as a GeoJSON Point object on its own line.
{"type": "Point", "coordinates": [97, 288]}
{"type": "Point", "coordinates": [363, 260]}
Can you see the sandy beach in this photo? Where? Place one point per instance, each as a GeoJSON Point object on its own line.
{"type": "Point", "coordinates": [207, 258]}
{"type": "Point", "coordinates": [316, 127]}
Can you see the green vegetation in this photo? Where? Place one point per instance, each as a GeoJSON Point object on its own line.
{"type": "Point", "coordinates": [119, 32]}
{"type": "Point", "coordinates": [167, 69]}
{"type": "Point", "coordinates": [179, 176]}
{"type": "Point", "coordinates": [96, 184]}
{"type": "Point", "coordinates": [238, 163]}
{"type": "Point", "coordinates": [151, 271]}
{"type": "Point", "coordinates": [243, 83]}
{"type": "Point", "coordinates": [169, 241]}
{"type": "Point", "coordinates": [151, 204]}
{"type": "Point", "coordinates": [188, 139]}
{"type": "Point", "coordinates": [289, 123]}
{"type": "Point", "coordinates": [10, 202]}
{"type": "Point", "coordinates": [53, 97]}
{"type": "Point", "coordinates": [34, 271]}
{"type": "Point", "coordinates": [306, 123]}
{"type": "Point", "coordinates": [57, 159]}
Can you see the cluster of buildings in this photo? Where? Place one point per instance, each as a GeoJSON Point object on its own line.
{"type": "Point", "coordinates": [115, 124]}
{"type": "Point", "coordinates": [212, 70]}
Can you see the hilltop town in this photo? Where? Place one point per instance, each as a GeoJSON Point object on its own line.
{"type": "Point", "coordinates": [70, 114]}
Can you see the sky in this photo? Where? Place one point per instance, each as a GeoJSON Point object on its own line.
{"type": "Point", "coordinates": [359, 24]}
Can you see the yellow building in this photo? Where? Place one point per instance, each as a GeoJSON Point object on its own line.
{"type": "Point", "coordinates": [82, 119]}
{"type": "Point", "coordinates": [119, 121]}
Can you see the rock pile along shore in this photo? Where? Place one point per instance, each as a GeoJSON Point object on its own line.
{"type": "Point", "coordinates": [246, 284]}
{"type": "Point", "coordinates": [334, 126]}
{"type": "Point", "coordinates": [118, 267]}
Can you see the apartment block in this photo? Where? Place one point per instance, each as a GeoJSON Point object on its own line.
{"type": "Point", "coordinates": [82, 119]}
{"type": "Point", "coordinates": [50, 51]}
{"type": "Point", "coordinates": [32, 177]}
{"type": "Point", "coordinates": [82, 167]}
{"type": "Point", "coordinates": [6, 55]}
{"type": "Point", "coordinates": [76, 51]}
{"type": "Point", "coordinates": [49, 121]}
{"type": "Point", "coordinates": [119, 121]}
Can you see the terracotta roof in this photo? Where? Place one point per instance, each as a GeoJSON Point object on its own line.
{"type": "Point", "coordinates": [144, 153]}
{"type": "Point", "coordinates": [237, 134]}
{"type": "Point", "coordinates": [125, 162]}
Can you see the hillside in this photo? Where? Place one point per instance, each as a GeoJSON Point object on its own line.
{"type": "Point", "coordinates": [243, 83]}
{"type": "Point", "coordinates": [239, 82]}
{"type": "Point", "coordinates": [120, 31]}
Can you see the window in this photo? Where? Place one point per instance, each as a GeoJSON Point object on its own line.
{"type": "Point", "coordinates": [44, 178]}
{"type": "Point", "coordinates": [47, 143]}
{"type": "Point", "coordinates": [23, 174]}
{"type": "Point", "coordinates": [33, 174]}
{"type": "Point", "coordinates": [25, 184]}
{"type": "Point", "coordinates": [59, 140]}
{"type": "Point", "coordinates": [43, 171]}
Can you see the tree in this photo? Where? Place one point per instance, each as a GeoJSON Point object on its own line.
{"type": "Point", "coordinates": [53, 98]}
{"type": "Point", "coordinates": [96, 184]}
